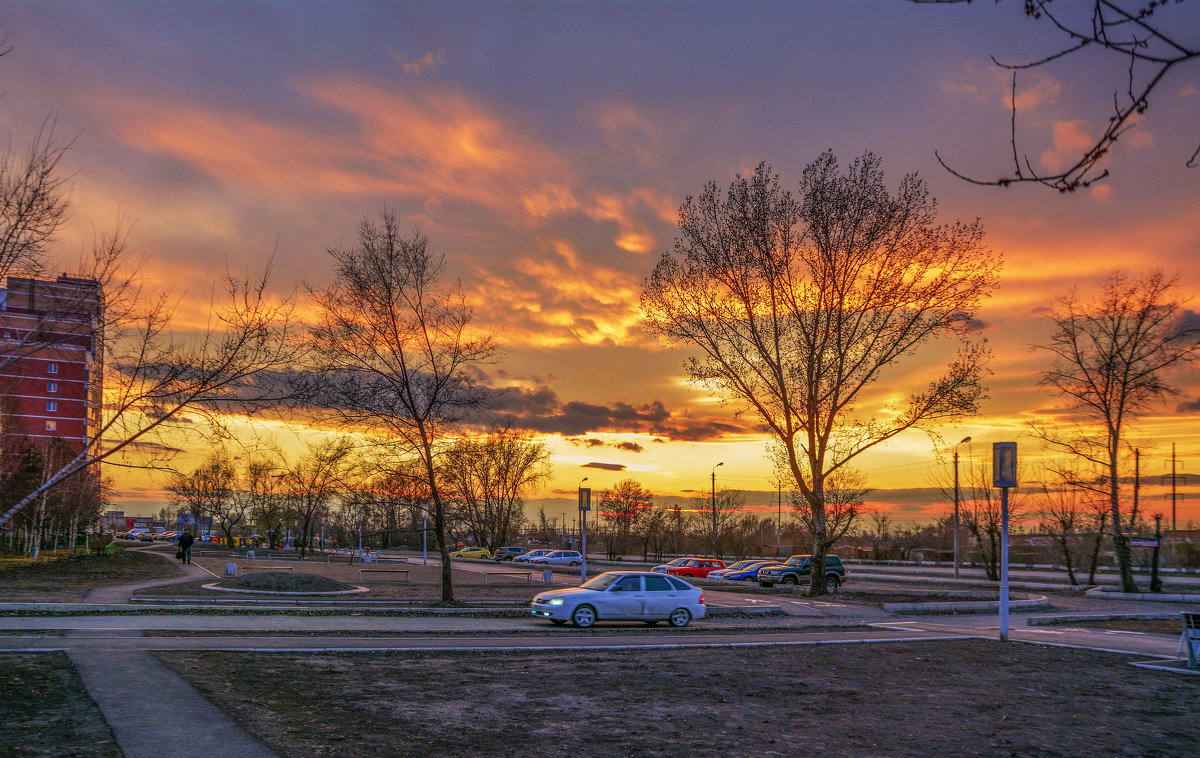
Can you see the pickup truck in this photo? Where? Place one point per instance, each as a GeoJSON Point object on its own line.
{"type": "Point", "coordinates": [799, 567]}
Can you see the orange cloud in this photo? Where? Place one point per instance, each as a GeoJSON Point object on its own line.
{"type": "Point", "coordinates": [1070, 138]}
{"type": "Point", "coordinates": [427, 62]}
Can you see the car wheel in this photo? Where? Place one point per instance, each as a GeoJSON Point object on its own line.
{"type": "Point", "coordinates": [832, 582]}
{"type": "Point", "coordinates": [558, 622]}
{"type": "Point", "coordinates": [584, 616]}
{"type": "Point", "coordinates": [680, 617]}
{"type": "Point", "coordinates": [789, 580]}
{"type": "Point", "coordinates": [574, 563]}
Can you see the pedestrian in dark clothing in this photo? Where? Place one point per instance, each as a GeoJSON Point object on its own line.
{"type": "Point", "coordinates": [185, 546]}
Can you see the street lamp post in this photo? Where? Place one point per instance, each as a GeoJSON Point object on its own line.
{"type": "Point", "coordinates": [714, 506]}
{"type": "Point", "coordinates": [585, 505]}
{"type": "Point", "coordinates": [424, 539]}
{"type": "Point", "coordinates": [964, 440]}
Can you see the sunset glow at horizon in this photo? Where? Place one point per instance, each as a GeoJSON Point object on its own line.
{"type": "Point", "coordinates": [545, 149]}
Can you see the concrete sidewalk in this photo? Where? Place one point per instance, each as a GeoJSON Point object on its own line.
{"type": "Point", "coordinates": [122, 593]}
{"type": "Point", "coordinates": [136, 692]}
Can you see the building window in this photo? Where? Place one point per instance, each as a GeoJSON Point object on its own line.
{"type": "Point", "coordinates": [52, 387]}
{"type": "Point", "coordinates": [51, 368]}
{"type": "Point", "coordinates": [51, 406]}
{"type": "Point", "coordinates": [51, 426]}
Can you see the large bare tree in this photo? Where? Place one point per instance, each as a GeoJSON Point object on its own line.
{"type": "Point", "coordinates": [1113, 358]}
{"type": "Point", "coordinates": [397, 353]}
{"type": "Point", "coordinates": [798, 304]}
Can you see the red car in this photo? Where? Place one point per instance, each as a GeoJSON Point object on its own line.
{"type": "Point", "coordinates": [697, 567]}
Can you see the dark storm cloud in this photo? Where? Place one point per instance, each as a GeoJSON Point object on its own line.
{"type": "Point", "coordinates": [542, 410]}
{"type": "Point", "coordinates": [604, 466]}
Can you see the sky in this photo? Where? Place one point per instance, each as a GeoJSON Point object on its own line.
{"type": "Point", "coordinates": [545, 148]}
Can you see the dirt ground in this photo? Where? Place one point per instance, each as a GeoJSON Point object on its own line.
{"type": "Point", "coordinates": [962, 698]}
{"type": "Point", "coordinates": [44, 710]}
{"type": "Point", "coordinates": [70, 579]}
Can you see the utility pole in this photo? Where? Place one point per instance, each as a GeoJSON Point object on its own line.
{"type": "Point", "coordinates": [714, 506]}
{"type": "Point", "coordinates": [1175, 478]}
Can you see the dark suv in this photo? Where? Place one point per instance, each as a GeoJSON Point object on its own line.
{"type": "Point", "coordinates": [508, 553]}
{"type": "Point", "coordinates": [799, 567]}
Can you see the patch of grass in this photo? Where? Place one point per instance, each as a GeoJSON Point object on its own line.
{"type": "Point", "coordinates": [44, 710]}
{"type": "Point", "coordinates": [70, 578]}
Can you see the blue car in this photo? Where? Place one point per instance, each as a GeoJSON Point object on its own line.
{"type": "Point", "coordinates": [747, 573]}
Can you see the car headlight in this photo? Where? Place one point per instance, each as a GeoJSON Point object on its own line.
{"type": "Point", "coordinates": [556, 601]}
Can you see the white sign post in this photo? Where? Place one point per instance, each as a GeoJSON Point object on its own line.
{"type": "Point", "coordinates": [585, 505]}
{"type": "Point", "coordinates": [1004, 475]}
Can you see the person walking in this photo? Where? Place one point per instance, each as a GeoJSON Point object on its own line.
{"type": "Point", "coordinates": [185, 546]}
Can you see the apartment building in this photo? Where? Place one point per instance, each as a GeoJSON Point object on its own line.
{"type": "Point", "coordinates": [51, 360]}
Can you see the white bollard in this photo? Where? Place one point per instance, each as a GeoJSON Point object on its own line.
{"type": "Point", "coordinates": [231, 569]}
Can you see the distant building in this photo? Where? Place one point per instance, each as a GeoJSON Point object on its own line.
{"type": "Point", "coordinates": [51, 361]}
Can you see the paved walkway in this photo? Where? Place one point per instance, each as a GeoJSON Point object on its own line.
{"type": "Point", "coordinates": [122, 593]}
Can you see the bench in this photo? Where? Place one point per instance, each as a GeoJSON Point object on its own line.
{"type": "Point", "coordinates": [527, 574]}
{"type": "Point", "coordinates": [383, 571]}
{"type": "Point", "coordinates": [1190, 639]}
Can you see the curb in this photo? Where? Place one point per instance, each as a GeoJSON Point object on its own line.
{"type": "Point", "coordinates": [1066, 619]}
{"type": "Point", "coordinates": [1157, 597]}
{"type": "Point", "coordinates": [976, 606]}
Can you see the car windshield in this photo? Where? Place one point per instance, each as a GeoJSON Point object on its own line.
{"type": "Point", "coordinates": [677, 562]}
{"type": "Point", "coordinates": [798, 560]}
{"type": "Point", "coordinates": [743, 564]}
{"type": "Point", "coordinates": [601, 582]}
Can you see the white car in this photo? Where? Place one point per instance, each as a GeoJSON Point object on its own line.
{"type": "Point", "coordinates": [532, 555]}
{"type": "Point", "coordinates": [560, 558]}
{"type": "Point", "coordinates": [623, 596]}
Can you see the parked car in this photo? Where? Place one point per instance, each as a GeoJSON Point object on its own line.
{"type": "Point", "coordinates": [145, 537]}
{"type": "Point", "coordinates": [560, 558]}
{"type": "Point", "coordinates": [471, 552]}
{"type": "Point", "coordinates": [741, 570]}
{"type": "Point", "coordinates": [622, 596]}
{"type": "Point", "coordinates": [531, 556]}
{"type": "Point", "coordinates": [663, 568]}
{"type": "Point", "coordinates": [697, 567]}
{"type": "Point", "coordinates": [509, 553]}
{"type": "Point", "coordinates": [798, 569]}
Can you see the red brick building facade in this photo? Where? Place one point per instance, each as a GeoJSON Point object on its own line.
{"type": "Point", "coordinates": [51, 361]}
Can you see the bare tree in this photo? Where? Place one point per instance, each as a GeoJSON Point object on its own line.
{"type": "Point", "coordinates": [33, 202]}
{"type": "Point", "coordinates": [209, 491]}
{"type": "Point", "coordinates": [1062, 516]}
{"type": "Point", "coordinates": [621, 507]}
{"type": "Point", "coordinates": [845, 494]}
{"type": "Point", "coordinates": [397, 353]}
{"type": "Point", "coordinates": [1145, 34]}
{"type": "Point", "coordinates": [799, 304]}
{"type": "Point", "coordinates": [313, 483]}
{"type": "Point", "coordinates": [1112, 360]}
{"type": "Point", "coordinates": [488, 479]}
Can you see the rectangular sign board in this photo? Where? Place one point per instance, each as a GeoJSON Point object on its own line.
{"type": "Point", "coordinates": [1004, 464]}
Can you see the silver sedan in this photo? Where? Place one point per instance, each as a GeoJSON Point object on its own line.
{"type": "Point", "coordinates": [623, 596]}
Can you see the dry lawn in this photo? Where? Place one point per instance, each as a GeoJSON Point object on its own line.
{"type": "Point", "coordinates": [962, 698]}
{"type": "Point", "coordinates": [44, 710]}
{"type": "Point", "coordinates": [70, 579]}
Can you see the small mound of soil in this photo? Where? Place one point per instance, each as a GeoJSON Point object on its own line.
{"type": "Point", "coordinates": [283, 581]}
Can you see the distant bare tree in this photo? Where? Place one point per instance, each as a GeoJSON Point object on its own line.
{"type": "Point", "coordinates": [397, 353]}
{"type": "Point", "coordinates": [1112, 359]}
{"type": "Point", "coordinates": [488, 479]}
{"type": "Point", "coordinates": [799, 304]}
{"type": "Point", "coordinates": [313, 482]}
{"type": "Point", "coordinates": [1063, 514]}
{"type": "Point", "coordinates": [1144, 33]}
{"type": "Point", "coordinates": [207, 491]}
{"type": "Point", "coordinates": [622, 507]}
